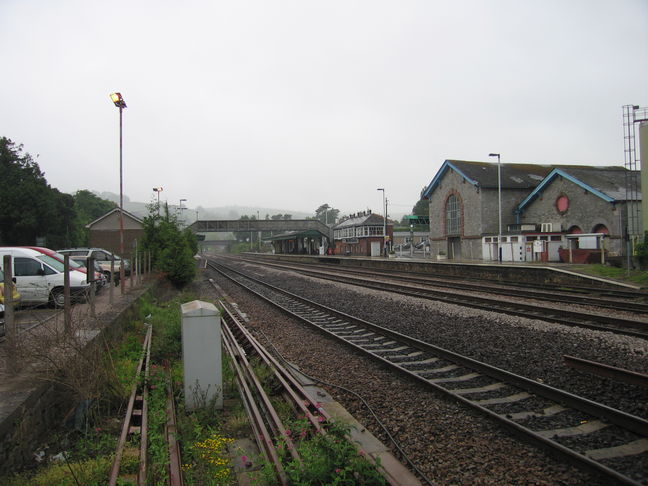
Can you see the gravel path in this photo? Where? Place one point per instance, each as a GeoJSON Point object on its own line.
{"type": "Point", "coordinates": [451, 445]}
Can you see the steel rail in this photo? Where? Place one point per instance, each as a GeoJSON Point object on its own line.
{"type": "Point", "coordinates": [551, 295]}
{"type": "Point", "coordinates": [617, 325]}
{"type": "Point", "coordinates": [300, 398]}
{"type": "Point", "coordinates": [607, 371]}
{"type": "Point", "coordinates": [170, 431]}
{"type": "Point", "coordinates": [620, 418]}
{"type": "Point", "coordinates": [130, 409]}
{"type": "Point", "coordinates": [575, 288]}
{"type": "Point", "coordinates": [261, 433]}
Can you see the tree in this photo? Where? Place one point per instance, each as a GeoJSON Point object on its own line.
{"type": "Point", "coordinates": [29, 207]}
{"type": "Point", "coordinates": [422, 208]}
{"type": "Point", "coordinates": [326, 214]}
{"type": "Point", "coordinates": [88, 207]}
{"type": "Point", "coordinates": [171, 250]}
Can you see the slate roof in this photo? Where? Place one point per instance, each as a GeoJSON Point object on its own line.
{"type": "Point", "coordinates": [608, 183]}
{"type": "Point", "coordinates": [608, 180]}
{"type": "Point", "coordinates": [115, 210]}
{"type": "Point", "coordinates": [362, 219]}
{"type": "Point", "coordinates": [484, 174]}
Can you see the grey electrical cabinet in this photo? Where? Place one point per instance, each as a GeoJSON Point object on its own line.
{"type": "Point", "coordinates": [201, 355]}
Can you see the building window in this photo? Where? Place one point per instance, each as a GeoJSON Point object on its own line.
{"type": "Point", "coordinates": [562, 204]}
{"type": "Point", "coordinates": [453, 215]}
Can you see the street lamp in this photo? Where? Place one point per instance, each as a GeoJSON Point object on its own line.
{"type": "Point", "coordinates": [180, 208]}
{"type": "Point", "coordinates": [499, 205]}
{"type": "Point", "coordinates": [384, 220]}
{"type": "Point", "coordinates": [158, 190]}
{"type": "Point", "coordinates": [119, 102]}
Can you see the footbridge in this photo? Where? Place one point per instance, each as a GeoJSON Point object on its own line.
{"type": "Point", "coordinates": [276, 226]}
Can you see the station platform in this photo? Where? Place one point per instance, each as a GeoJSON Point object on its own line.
{"type": "Point", "coordinates": [515, 272]}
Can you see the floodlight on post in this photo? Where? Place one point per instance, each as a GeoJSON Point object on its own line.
{"type": "Point", "coordinates": [499, 205]}
{"type": "Point", "coordinates": [119, 102]}
{"type": "Point", "coordinates": [384, 221]}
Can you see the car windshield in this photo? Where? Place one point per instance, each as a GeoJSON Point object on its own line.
{"type": "Point", "coordinates": [61, 258]}
{"type": "Point", "coordinates": [52, 262]}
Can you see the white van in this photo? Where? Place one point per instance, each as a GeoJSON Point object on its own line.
{"type": "Point", "coordinates": [40, 278]}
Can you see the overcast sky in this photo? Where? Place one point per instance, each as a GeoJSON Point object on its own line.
{"type": "Point", "coordinates": [292, 104]}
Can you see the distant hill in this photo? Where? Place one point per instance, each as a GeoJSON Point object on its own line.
{"type": "Point", "coordinates": [140, 210]}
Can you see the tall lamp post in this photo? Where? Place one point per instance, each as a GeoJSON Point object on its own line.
{"type": "Point", "coordinates": [499, 205]}
{"type": "Point", "coordinates": [384, 221]}
{"type": "Point", "coordinates": [180, 209]}
{"type": "Point", "coordinates": [158, 190]}
{"type": "Point", "coordinates": [119, 102]}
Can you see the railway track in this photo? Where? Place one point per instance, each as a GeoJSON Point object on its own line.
{"type": "Point", "coordinates": [476, 283]}
{"type": "Point", "coordinates": [266, 423]}
{"type": "Point", "coordinates": [602, 439]}
{"type": "Point", "coordinates": [133, 439]}
{"type": "Point", "coordinates": [626, 300]}
{"type": "Point", "coordinates": [421, 289]}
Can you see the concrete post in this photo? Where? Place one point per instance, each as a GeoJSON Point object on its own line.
{"type": "Point", "coordinates": [201, 355]}
{"type": "Point", "coordinates": [67, 306]}
{"type": "Point", "coordinates": [90, 277]}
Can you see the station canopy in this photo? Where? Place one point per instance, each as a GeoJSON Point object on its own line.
{"type": "Point", "coordinates": [294, 235]}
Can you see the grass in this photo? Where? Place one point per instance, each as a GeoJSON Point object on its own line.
{"type": "Point", "coordinates": [637, 277]}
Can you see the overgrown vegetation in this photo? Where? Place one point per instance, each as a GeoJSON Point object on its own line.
{"type": "Point", "coordinates": [83, 451]}
{"type": "Point", "coordinates": [171, 249]}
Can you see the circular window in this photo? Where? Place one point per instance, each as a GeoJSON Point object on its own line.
{"type": "Point", "coordinates": [562, 204]}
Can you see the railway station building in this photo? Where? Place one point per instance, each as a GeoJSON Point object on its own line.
{"type": "Point", "coordinates": [362, 234]}
{"type": "Point", "coordinates": [543, 209]}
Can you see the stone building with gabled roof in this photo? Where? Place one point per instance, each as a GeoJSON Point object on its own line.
{"type": "Point", "coordinates": [463, 199]}
{"type": "Point", "coordinates": [584, 199]}
{"type": "Point", "coordinates": [104, 232]}
{"type": "Point", "coordinates": [546, 202]}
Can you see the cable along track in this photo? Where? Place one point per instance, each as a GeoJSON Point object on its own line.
{"type": "Point", "coordinates": [600, 322]}
{"type": "Point", "coordinates": [602, 439]}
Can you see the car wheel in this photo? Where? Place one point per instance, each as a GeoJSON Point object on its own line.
{"type": "Point", "coordinates": [57, 298]}
{"type": "Point", "coordinates": [107, 274]}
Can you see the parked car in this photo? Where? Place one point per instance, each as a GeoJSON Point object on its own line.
{"type": "Point", "coordinates": [40, 278]}
{"type": "Point", "coordinates": [101, 256]}
{"type": "Point", "coordinates": [15, 297]}
{"type": "Point", "coordinates": [100, 278]}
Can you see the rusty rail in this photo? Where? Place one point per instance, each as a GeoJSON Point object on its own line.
{"type": "Point", "coordinates": [175, 457]}
{"type": "Point", "coordinates": [607, 371]}
{"type": "Point", "coordinates": [134, 409]}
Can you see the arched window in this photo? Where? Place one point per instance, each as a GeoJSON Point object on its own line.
{"type": "Point", "coordinates": [574, 230]}
{"type": "Point", "coordinates": [601, 228]}
{"type": "Point", "coordinates": [453, 215]}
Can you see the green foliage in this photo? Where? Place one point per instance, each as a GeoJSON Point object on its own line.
{"type": "Point", "coordinates": [30, 208]}
{"type": "Point", "coordinates": [239, 247]}
{"type": "Point", "coordinates": [422, 208]}
{"type": "Point", "coordinates": [87, 207]}
{"type": "Point", "coordinates": [327, 459]}
{"type": "Point", "coordinates": [92, 472]}
{"type": "Point", "coordinates": [167, 332]}
{"type": "Point", "coordinates": [158, 448]}
{"type": "Point", "coordinates": [641, 251]}
{"type": "Point", "coordinates": [171, 250]}
{"type": "Point", "coordinates": [326, 214]}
